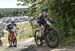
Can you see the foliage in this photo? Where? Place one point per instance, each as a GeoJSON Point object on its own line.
{"type": "Point", "coordinates": [12, 12]}
{"type": "Point", "coordinates": [61, 11]}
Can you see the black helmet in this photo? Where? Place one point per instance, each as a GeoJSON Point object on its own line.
{"type": "Point", "coordinates": [12, 22]}
{"type": "Point", "coordinates": [44, 9]}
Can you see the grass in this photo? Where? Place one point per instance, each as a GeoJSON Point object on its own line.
{"type": "Point", "coordinates": [26, 31]}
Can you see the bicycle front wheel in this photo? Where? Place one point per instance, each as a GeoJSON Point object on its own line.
{"type": "Point", "coordinates": [37, 38]}
{"type": "Point", "coordinates": [52, 38]}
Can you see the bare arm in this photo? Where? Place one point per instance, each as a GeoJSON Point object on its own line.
{"type": "Point", "coordinates": [37, 18]}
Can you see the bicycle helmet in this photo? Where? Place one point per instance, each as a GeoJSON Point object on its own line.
{"type": "Point", "coordinates": [12, 21]}
{"type": "Point", "coordinates": [44, 9]}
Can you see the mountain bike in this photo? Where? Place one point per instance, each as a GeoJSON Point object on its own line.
{"type": "Point", "coordinates": [49, 35]}
{"type": "Point", "coordinates": [12, 39]}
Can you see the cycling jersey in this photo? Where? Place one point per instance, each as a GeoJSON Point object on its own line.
{"type": "Point", "coordinates": [42, 20]}
{"type": "Point", "coordinates": [10, 27]}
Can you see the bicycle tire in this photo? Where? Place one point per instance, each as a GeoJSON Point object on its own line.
{"type": "Point", "coordinates": [36, 39]}
{"type": "Point", "coordinates": [47, 38]}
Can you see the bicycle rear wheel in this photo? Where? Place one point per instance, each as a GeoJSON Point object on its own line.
{"type": "Point", "coordinates": [52, 38]}
{"type": "Point", "coordinates": [15, 43]}
{"type": "Point", "coordinates": [37, 38]}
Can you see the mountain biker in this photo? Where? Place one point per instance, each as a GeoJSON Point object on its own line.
{"type": "Point", "coordinates": [42, 19]}
{"type": "Point", "coordinates": [11, 28]}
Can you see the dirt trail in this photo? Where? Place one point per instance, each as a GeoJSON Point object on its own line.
{"type": "Point", "coordinates": [29, 45]}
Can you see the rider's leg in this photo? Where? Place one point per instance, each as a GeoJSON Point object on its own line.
{"type": "Point", "coordinates": [40, 29]}
{"type": "Point", "coordinates": [15, 42]}
{"type": "Point", "coordinates": [10, 43]}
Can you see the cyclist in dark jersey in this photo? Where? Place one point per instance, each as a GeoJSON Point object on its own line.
{"type": "Point", "coordinates": [11, 26]}
{"type": "Point", "coordinates": [42, 19]}
{"type": "Point", "coordinates": [10, 29]}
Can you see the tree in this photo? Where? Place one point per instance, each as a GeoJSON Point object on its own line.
{"type": "Point", "coordinates": [62, 12]}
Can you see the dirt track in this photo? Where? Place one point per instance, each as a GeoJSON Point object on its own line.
{"type": "Point", "coordinates": [30, 46]}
